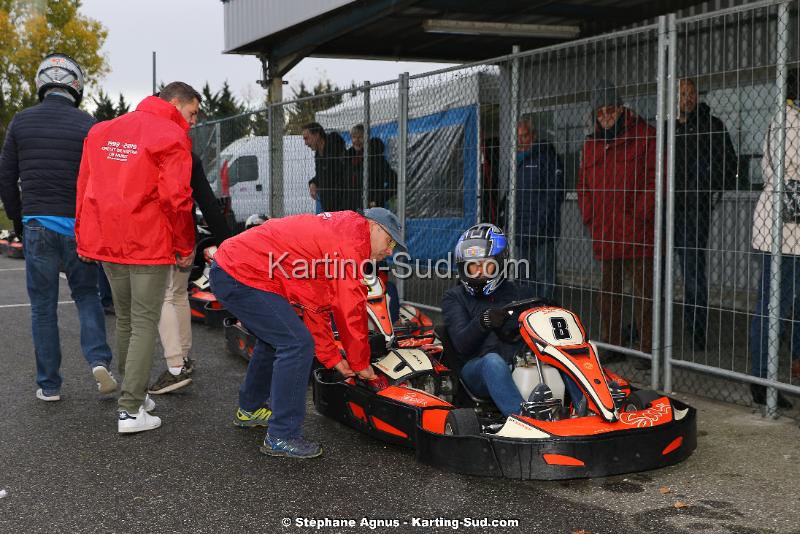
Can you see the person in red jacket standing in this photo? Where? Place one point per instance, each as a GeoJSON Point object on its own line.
{"type": "Point", "coordinates": [134, 214]}
{"type": "Point", "coordinates": [616, 196]}
{"type": "Point", "coordinates": [308, 265]}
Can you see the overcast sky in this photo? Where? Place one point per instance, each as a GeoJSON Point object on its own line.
{"type": "Point", "coordinates": [187, 36]}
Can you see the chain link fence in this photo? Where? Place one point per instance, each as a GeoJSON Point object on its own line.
{"type": "Point", "coordinates": [648, 177]}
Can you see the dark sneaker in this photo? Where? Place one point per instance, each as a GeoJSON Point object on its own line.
{"type": "Point", "coordinates": [759, 393]}
{"type": "Point", "coordinates": [247, 419]}
{"type": "Point", "coordinates": [290, 448]}
{"type": "Point", "coordinates": [168, 382]}
{"type": "Point", "coordinates": [188, 365]}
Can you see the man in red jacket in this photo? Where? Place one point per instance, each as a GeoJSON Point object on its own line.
{"type": "Point", "coordinates": [134, 214]}
{"type": "Point", "coordinates": [616, 196]}
{"type": "Point", "coordinates": [311, 265]}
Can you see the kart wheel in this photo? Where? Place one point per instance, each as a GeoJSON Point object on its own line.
{"type": "Point", "coordinates": [640, 400]}
{"type": "Point", "coordinates": [462, 422]}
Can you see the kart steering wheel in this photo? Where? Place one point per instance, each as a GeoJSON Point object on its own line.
{"type": "Point", "coordinates": [513, 310]}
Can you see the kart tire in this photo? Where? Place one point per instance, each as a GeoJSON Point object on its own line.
{"type": "Point", "coordinates": [640, 400]}
{"type": "Point", "coordinates": [462, 422]}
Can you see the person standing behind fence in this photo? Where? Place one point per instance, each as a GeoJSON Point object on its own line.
{"type": "Point", "coordinates": [540, 193]}
{"type": "Point", "coordinates": [382, 178]}
{"type": "Point", "coordinates": [42, 152]}
{"type": "Point", "coordinates": [789, 312]}
{"type": "Point", "coordinates": [616, 197]}
{"type": "Point", "coordinates": [330, 168]}
{"type": "Point", "coordinates": [705, 164]}
{"type": "Point", "coordinates": [134, 213]}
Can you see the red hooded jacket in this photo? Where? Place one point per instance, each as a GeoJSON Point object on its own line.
{"type": "Point", "coordinates": [134, 202]}
{"type": "Point", "coordinates": [616, 190]}
{"type": "Point", "coordinates": [287, 257]}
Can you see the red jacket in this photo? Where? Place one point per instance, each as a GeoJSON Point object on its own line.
{"type": "Point", "coordinates": [134, 202]}
{"type": "Point", "coordinates": [277, 257]}
{"type": "Point", "coordinates": [616, 190]}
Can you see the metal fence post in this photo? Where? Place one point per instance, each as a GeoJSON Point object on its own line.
{"type": "Point", "coordinates": [661, 87]}
{"type": "Point", "coordinates": [367, 133]}
{"type": "Point", "coordinates": [218, 143]}
{"type": "Point", "coordinates": [275, 201]}
{"type": "Point", "coordinates": [402, 161]}
{"type": "Point", "coordinates": [511, 226]}
{"type": "Point", "coordinates": [777, 211]}
{"type": "Point", "coordinates": [672, 107]}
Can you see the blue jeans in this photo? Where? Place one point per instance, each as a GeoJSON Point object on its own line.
{"type": "Point", "coordinates": [281, 359]}
{"type": "Point", "coordinates": [46, 254]}
{"type": "Point", "coordinates": [691, 251]}
{"type": "Point", "coordinates": [105, 288]}
{"type": "Point", "coordinates": [542, 271]}
{"type": "Point", "coordinates": [789, 311]}
{"type": "Point", "coordinates": [490, 376]}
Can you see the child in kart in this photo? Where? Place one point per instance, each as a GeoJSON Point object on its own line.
{"type": "Point", "coordinates": [473, 312]}
{"type": "Point", "coordinates": [305, 262]}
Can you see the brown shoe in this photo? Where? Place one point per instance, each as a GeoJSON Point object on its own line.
{"type": "Point", "coordinates": [796, 368]}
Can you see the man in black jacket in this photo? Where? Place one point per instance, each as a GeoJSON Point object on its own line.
{"type": "Point", "coordinates": [473, 313]}
{"type": "Point", "coordinates": [705, 165]}
{"type": "Point", "coordinates": [331, 170]}
{"type": "Point", "coordinates": [41, 154]}
{"type": "Point", "coordinates": [382, 178]}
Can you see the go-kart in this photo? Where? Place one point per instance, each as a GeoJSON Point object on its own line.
{"type": "Point", "coordinates": [205, 307]}
{"type": "Point", "coordinates": [615, 429]}
{"type": "Point", "coordinates": [11, 245]}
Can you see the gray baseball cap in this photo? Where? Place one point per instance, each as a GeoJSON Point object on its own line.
{"type": "Point", "coordinates": [388, 221]}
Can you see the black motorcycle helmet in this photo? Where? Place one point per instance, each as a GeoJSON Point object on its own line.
{"type": "Point", "coordinates": [481, 242]}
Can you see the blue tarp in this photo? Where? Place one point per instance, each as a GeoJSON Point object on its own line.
{"type": "Point", "coordinates": [442, 174]}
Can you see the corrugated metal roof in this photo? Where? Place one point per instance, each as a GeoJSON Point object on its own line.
{"type": "Point", "coordinates": [250, 20]}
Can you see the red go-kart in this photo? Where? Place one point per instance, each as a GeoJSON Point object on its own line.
{"type": "Point", "coordinates": [616, 429]}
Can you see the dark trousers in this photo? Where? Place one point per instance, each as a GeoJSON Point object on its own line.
{"type": "Point", "coordinates": [281, 360]}
{"type": "Point", "coordinates": [610, 299]}
{"type": "Point", "coordinates": [691, 246]}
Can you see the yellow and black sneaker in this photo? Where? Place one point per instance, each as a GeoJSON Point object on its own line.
{"type": "Point", "coordinates": [247, 419]}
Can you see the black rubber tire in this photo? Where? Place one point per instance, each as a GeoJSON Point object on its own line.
{"type": "Point", "coordinates": [462, 422]}
{"type": "Point", "coordinates": [640, 400]}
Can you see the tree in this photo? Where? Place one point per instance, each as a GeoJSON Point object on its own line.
{"type": "Point", "coordinates": [31, 30]}
{"type": "Point", "coordinates": [304, 112]}
{"type": "Point", "coordinates": [105, 109]}
{"type": "Point", "coordinates": [221, 104]}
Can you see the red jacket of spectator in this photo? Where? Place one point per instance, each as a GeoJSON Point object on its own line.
{"type": "Point", "coordinates": [616, 190]}
{"type": "Point", "coordinates": [314, 262]}
{"type": "Point", "coordinates": [134, 202]}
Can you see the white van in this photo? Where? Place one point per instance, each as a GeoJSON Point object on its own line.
{"type": "Point", "coordinates": [245, 162]}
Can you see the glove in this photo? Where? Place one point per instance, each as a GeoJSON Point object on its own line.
{"type": "Point", "coordinates": [18, 228]}
{"type": "Point", "coordinates": [493, 318]}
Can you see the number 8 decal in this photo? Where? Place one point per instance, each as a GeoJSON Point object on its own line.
{"type": "Point", "coordinates": [560, 329]}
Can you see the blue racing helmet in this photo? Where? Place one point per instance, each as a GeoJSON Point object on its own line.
{"type": "Point", "coordinates": [481, 242]}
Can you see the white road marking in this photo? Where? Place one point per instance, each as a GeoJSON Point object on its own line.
{"type": "Point", "coordinates": [28, 305]}
{"type": "Point", "coordinates": [14, 269]}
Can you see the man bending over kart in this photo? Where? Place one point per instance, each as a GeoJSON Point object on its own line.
{"type": "Point", "coordinates": [308, 265]}
{"type": "Point", "coordinates": [473, 312]}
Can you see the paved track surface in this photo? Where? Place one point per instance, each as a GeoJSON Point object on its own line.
{"type": "Point", "coordinates": [65, 468]}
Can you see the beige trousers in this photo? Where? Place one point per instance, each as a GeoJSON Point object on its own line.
{"type": "Point", "coordinates": [175, 326]}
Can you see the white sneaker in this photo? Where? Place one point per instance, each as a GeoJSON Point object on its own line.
{"type": "Point", "coordinates": [141, 421]}
{"type": "Point", "coordinates": [106, 383]}
{"type": "Point", "coordinates": [48, 398]}
{"type": "Point", "coordinates": [149, 404]}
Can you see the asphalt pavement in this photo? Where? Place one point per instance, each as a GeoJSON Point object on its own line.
{"type": "Point", "coordinates": [64, 468]}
